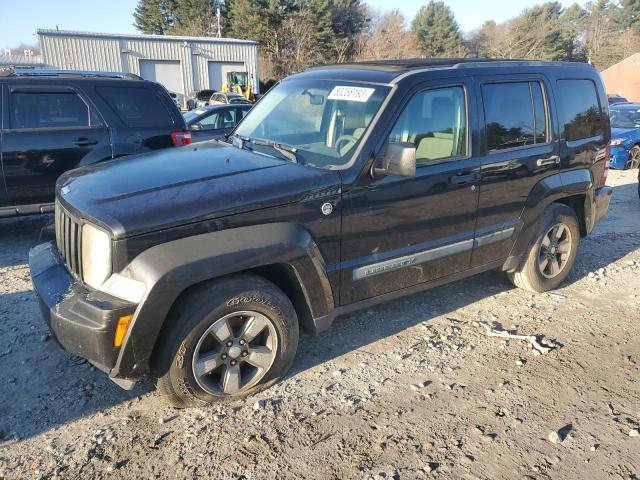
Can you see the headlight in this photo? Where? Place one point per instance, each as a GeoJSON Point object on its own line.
{"type": "Point", "coordinates": [96, 256]}
{"type": "Point", "coordinates": [619, 141]}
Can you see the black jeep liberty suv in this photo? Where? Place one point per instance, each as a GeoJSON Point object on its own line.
{"type": "Point", "coordinates": [343, 187]}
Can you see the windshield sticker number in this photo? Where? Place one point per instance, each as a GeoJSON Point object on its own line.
{"type": "Point", "coordinates": [351, 94]}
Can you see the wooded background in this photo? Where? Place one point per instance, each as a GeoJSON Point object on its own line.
{"type": "Point", "coordinates": [296, 34]}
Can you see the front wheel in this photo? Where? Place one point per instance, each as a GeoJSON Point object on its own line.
{"type": "Point", "coordinates": [550, 259]}
{"type": "Point", "coordinates": [227, 340]}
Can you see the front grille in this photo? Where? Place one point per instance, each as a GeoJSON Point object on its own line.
{"type": "Point", "coordinates": [68, 235]}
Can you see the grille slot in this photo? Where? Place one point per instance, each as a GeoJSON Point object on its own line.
{"type": "Point", "coordinates": [68, 233]}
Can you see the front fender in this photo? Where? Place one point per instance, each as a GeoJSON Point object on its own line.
{"type": "Point", "coordinates": [170, 268]}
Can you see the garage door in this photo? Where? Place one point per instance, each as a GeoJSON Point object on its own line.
{"type": "Point", "coordinates": [218, 72]}
{"type": "Point", "coordinates": [166, 72]}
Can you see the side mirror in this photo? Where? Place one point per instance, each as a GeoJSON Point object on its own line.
{"type": "Point", "coordinates": [316, 99]}
{"type": "Point", "coordinates": [398, 159]}
{"type": "Point", "coordinates": [195, 127]}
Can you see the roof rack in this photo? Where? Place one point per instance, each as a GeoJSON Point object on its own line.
{"type": "Point", "coordinates": [28, 72]}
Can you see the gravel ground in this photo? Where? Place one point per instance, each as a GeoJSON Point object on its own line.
{"type": "Point", "coordinates": [414, 388]}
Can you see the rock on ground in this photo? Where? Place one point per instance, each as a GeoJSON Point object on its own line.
{"type": "Point", "coordinates": [421, 391]}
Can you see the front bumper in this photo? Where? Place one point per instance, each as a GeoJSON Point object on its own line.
{"type": "Point", "coordinates": [82, 321]}
{"type": "Point", "coordinates": [602, 199]}
{"type": "Point", "coordinates": [619, 158]}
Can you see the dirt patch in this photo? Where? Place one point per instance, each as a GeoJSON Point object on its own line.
{"type": "Point", "coordinates": [413, 388]}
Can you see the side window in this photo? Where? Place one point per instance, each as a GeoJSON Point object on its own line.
{"type": "Point", "coordinates": [137, 107]}
{"type": "Point", "coordinates": [515, 115]}
{"type": "Point", "coordinates": [580, 113]}
{"type": "Point", "coordinates": [435, 121]}
{"type": "Point", "coordinates": [242, 112]}
{"type": "Point", "coordinates": [47, 110]}
{"type": "Point", "coordinates": [227, 118]}
{"type": "Point", "coordinates": [210, 122]}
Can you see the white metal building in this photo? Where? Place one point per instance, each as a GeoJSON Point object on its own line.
{"type": "Point", "coordinates": [181, 64]}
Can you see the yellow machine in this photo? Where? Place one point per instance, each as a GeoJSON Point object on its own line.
{"type": "Point", "coordinates": [238, 82]}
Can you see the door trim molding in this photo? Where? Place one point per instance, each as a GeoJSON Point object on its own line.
{"type": "Point", "coordinates": [425, 256]}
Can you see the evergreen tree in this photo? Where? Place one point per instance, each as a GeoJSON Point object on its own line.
{"type": "Point", "coordinates": [437, 31]}
{"type": "Point", "coordinates": [154, 16]}
{"type": "Point", "coordinates": [196, 17]}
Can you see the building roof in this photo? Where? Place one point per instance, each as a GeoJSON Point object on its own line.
{"type": "Point", "coordinates": [624, 60]}
{"type": "Point", "coordinates": [22, 60]}
{"type": "Point", "coordinates": [124, 36]}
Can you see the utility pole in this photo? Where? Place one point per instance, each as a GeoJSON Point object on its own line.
{"type": "Point", "coordinates": [218, 17]}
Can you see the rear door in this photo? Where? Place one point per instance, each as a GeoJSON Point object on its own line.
{"type": "Point", "coordinates": [50, 129]}
{"type": "Point", "coordinates": [143, 116]}
{"type": "Point", "coordinates": [520, 148]}
{"type": "Point", "coordinates": [4, 199]}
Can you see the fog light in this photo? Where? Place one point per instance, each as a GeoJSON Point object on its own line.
{"type": "Point", "coordinates": [121, 330]}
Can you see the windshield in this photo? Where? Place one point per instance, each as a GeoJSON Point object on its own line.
{"type": "Point", "coordinates": [625, 117]}
{"type": "Point", "coordinates": [322, 120]}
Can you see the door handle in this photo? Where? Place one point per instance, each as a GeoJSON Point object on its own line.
{"type": "Point", "coordinates": [464, 178]}
{"type": "Point", "coordinates": [84, 142]}
{"type": "Point", "coordinates": [553, 160]}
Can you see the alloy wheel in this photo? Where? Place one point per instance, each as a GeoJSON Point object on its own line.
{"type": "Point", "coordinates": [235, 353]}
{"type": "Point", "coordinates": [634, 158]}
{"type": "Point", "coordinates": [555, 250]}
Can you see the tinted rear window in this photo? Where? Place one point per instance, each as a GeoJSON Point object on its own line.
{"type": "Point", "coordinates": [47, 110]}
{"type": "Point", "coordinates": [580, 114]}
{"type": "Point", "coordinates": [137, 107]}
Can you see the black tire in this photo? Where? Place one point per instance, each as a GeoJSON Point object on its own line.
{"type": "Point", "coordinates": [634, 158]}
{"type": "Point", "coordinates": [530, 275]}
{"type": "Point", "coordinates": [197, 312]}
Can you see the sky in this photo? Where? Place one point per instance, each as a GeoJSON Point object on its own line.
{"type": "Point", "coordinates": [19, 20]}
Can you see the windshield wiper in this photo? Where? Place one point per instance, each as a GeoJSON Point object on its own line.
{"type": "Point", "coordinates": [287, 151]}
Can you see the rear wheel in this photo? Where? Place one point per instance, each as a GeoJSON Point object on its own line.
{"type": "Point", "coordinates": [634, 158]}
{"type": "Point", "coordinates": [551, 258]}
{"type": "Point", "coordinates": [227, 340]}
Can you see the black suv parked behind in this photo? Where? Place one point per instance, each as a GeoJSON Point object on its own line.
{"type": "Point", "coordinates": [344, 186]}
{"type": "Point", "coordinates": [53, 121]}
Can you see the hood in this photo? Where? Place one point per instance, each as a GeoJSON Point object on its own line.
{"type": "Point", "coordinates": [174, 186]}
{"type": "Point", "coordinates": [618, 132]}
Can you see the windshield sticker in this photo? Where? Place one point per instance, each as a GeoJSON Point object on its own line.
{"type": "Point", "coordinates": [351, 94]}
{"type": "Point", "coordinates": [200, 112]}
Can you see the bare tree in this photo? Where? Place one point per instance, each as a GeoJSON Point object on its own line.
{"type": "Point", "coordinates": [297, 46]}
{"type": "Point", "coordinates": [387, 38]}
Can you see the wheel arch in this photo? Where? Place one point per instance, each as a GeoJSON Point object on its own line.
{"type": "Point", "coordinates": [282, 253]}
{"type": "Point", "coordinates": [574, 189]}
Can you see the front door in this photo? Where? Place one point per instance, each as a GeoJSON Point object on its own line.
{"type": "Point", "coordinates": [49, 130]}
{"type": "Point", "coordinates": [399, 232]}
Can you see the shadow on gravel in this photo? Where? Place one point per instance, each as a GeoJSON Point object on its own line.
{"type": "Point", "coordinates": [18, 235]}
{"type": "Point", "coordinates": [46, 387]}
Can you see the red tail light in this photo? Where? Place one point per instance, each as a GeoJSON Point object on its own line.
{"type": "Point", "coordinates": [607, 163]}
{"type": "Point", "coordinates": [181, 138]}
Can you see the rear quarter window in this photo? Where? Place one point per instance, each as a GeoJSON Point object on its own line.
{"type": "Point", "coordinates": [580, 111]}
{"type": "Point", "coordinates": [136, 106]}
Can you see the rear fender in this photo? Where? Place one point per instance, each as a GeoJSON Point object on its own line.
{"type": "Point", "coordinates": [169, 269]}
{"type": "Point", "coordinates": [551, 189]}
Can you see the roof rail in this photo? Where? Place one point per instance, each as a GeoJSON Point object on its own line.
{"type": "Point", "coordinates": [35, 72]}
